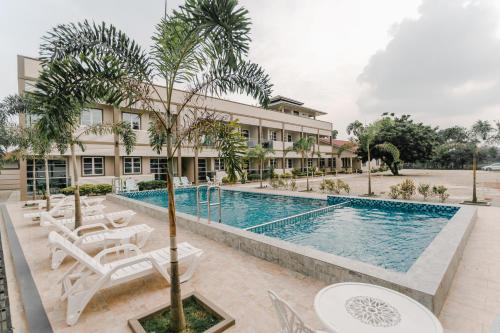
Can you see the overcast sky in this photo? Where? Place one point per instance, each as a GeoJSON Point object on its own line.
{"type": "Point", "coordinates": [438, 60]}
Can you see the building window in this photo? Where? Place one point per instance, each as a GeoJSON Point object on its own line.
{"type": "Point", "coordinates": [93, 166]}
{"type": "Point", "coordinates": [273, 164]}
{"type": "Point", "coordinates": [245, 133]}
{"type": "Point", "coordinates": [289, 138]}
{"type": "Point", "coordinates": [309, 162]}
{"type": "Point", "coordinates": [346, 162]}
{"type": "Point", "coordinates": [32, 119]}
{"type": "Point", "coordinates": [322, 162]}
{"type": "Point", "coordinates": [11, 165]}
{"type": "Point", "coordinates": [289, 163]}
{"type": "Point", "coordinates": [158, 167]}
{"type": "Point", "coordinates": [219, 164]}
{"type": "Point", "coordinates": [57, 175]}
{"type": "Point", "coordinates": [90, 117]}
{"type": "Point", "coordinates": [273, 136]}
{"type": "Point", "coordinates": [133, 119]}
{"type": "Point", "coordinates": [131, 165]}
{"type": "Point", "coordinates": [296, 113]}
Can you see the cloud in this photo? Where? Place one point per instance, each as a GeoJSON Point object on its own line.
{"type": "Point", "coordinates": [444, 63]}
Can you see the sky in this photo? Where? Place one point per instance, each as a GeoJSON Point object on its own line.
{"type": "Point", "coordinates": [438, 60]}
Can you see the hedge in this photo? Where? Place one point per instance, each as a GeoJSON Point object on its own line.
{"type": "Point", "coordinates": [89, 189]}
{"type": "Point", "coordinates": [151, 185]}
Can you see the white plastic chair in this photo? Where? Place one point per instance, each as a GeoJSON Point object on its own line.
{"type": "Point", "coordinates": [209, 182]}
{"type": "Point", "coordinates": [177, 182]}
{"type": "Point", "coordinates": [89, 274]}
{"type": "Point", "coordinates": [98, 237]}
{"type": "Point", "coordinates": [290, 321]}
{"type": "Point", "coordinates": [185, 182]}
{"type": "Point", "coordinates": [130, 185]}
{"type": "Point", "coordinates": [495, 326]}
{"type": "Point", "coordinates": [119, 219]}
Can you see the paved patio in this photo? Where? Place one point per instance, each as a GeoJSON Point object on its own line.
{"type": "Point", "coordinates": [238, 282]}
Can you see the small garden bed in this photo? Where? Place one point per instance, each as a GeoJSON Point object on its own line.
{"type": "Point", "coordinates": [201, 317]}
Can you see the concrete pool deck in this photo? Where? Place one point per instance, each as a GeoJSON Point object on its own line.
{"type": "Point", "coordinates": [238, 282]}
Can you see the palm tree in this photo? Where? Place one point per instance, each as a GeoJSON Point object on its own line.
{"type": "Point", "coordinates": [232, 146]}
{"type": "Point", "coordinates": [366, 136]}
{"type": "Point", "coordinates": [480, 133]}
{"type": "Point", "coordinates": [260, 154]}
{"type": "Point", "coordinates": [201, 46]}
{"type": "Point", "coordinates": [304, 147]}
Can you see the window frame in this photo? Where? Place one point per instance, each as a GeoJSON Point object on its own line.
{"type": "Point", "coordinates": [132, 165]}
{"type": "Point", "coordinates": [93, 174]}
{"type": "Point", "coordinates": [289, 163]}
{"type": "Point", "coordinates": [130, 122]}
{"type": "Point", "coordinates": [92, 123]}
{"type": "Point", "coordinates": [217, 164]}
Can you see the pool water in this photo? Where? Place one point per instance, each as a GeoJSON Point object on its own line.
{"type": "Point", "coordinates": [239, 209]}
{"type": "Point", "coordinates": [388, 234]}
{"type": "Point", "coordinates": [392, 239]}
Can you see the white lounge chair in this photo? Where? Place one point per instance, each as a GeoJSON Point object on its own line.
{"type": "Point", "coordinates": [185, 182]}
{"type": "Point", "coordinates": [290, 321]}
{"type": "Point", "coordinates": [177, 182]}
{"type": "Point", "coordinates": [100, 236]}
{"type": "Point", "coordinates": [131, 185]}
{"type": "Point", "coordinates": [90, 275]}
{"type": "Point", "coordinates": [209, 182]}
{"type": "Point", "coordinates": [47, 220]}
{"type": "Point", "coordinates": [62, 207]}
{"type": "Point", "coordinates": [120, 219]}
{"type": "Point", "coordinates": [88, 202]}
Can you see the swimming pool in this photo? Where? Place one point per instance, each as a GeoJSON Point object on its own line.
{"type": "Point", "coordinates": [382, 233]}
{"type": "Point", "coordinates": [239, 209]}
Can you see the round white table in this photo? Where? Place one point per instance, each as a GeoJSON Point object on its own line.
{"type": "Point", "coordinates": [366, 308]}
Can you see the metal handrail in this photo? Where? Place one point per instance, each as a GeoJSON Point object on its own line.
{"type": "Point", "coordinates": [207, 202]}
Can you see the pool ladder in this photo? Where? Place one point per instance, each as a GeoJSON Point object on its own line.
{"type": "Point", "coordinates": [208, 201]}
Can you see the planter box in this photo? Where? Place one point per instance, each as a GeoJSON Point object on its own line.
{"type": "Point", "coordinates": [226, 320]}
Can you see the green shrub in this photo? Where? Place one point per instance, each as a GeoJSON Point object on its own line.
{"type": "Point", "coordinates": [334, 186]}
{"type": "Point", "coordinates": [253, 176]}
{"type": "Point", "coordinates": [394, 192]}
{"type": "Point", "coordinates": [102, 189]}
{"type": "Point", "coordinates": [70, 190]}
{"type": "Point", "coordinates": [441, 192]}
{"type": "Point", "coordinates": [243, 178]}
{"type": "Point", "coordinates": [286, 175]}
{"type": "Point", "coordinates": [407, 189]}
{"type": "Point", "coordinates": [151, 185]}
{"type": "Point", "coordinates": [89, 189]}
{"type": "Point", "coordinates": [424, 190]}
{"type": "Point", "coordinates": [86, 189]}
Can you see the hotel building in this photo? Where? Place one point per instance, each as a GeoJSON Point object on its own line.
{"type": "Point", "coordinates": [104, 159]}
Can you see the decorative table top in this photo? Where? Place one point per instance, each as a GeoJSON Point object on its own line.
{"type": "Point", "coordinates": [365, 308]}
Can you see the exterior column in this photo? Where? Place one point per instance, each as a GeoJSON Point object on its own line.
{"type": "Point", "coordinates": [179, 153]}
{"type": "Point", "coordinates": [259, 132]}
{"type": "Point", "coordinates": [283, 146]}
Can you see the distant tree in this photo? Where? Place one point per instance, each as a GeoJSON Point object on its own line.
{"type": "Point", "coordinates": [455, 134]}
{"type": "Point", "coordinates": [305, 148]}
{"type": "Point", "coordinates": [260, 154]}
{"type": "Point", "coordinates": [482, 132]}
{"type": "Point", "coordinates": [232, 146]}
{"type": "Point", "coordinates": [414, 141]}
{"type": "Point", "coordinates": [335, 133]}
{"type": "Point", "coordinates": [366, 136]}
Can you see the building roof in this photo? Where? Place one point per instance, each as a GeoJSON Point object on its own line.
{"type": "Point", "coordinates": [279, 98]}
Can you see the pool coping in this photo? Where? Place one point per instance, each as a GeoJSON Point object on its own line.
{"type": "Point", "coordinates": [428, 280]}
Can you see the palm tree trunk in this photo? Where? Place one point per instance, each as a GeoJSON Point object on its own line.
{"type": "Point", "coordinates": [369, 171]}
{"type": "Point", "coordinates": [47, 183]}
{"type": "Point", "coordinates": [196, 166]}
{"type": "Point", "coordinates": [474, 168]}
{"type": "Point", "coordinates": [261, 166]}
{"type": "Point", "coordinates": [78, 208]}
{"type": "Point", "coordinates": [307, 175]}
{"type": "Point", "coordinates": [178, 319]}
{"type": "Point", "coordinates": [34, 179]}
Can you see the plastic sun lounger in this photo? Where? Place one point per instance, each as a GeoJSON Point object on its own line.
{"type": "Point", "coordinates": [120, 219]}
{"type": "Point", "coordinates": [89, 274]}
{"type": "Point", "coordinates": [63, 205]}
{"type": "Point", "coordinates": [88, 202]}
{"type": "Point", "coordinates": [185, 182]}
{"type": "Point", "coordinates": [99, 237]}
{"type": "Point", "coordinates": [47, 220]}
{"type": "Point", "coordinates": [177, 182]}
